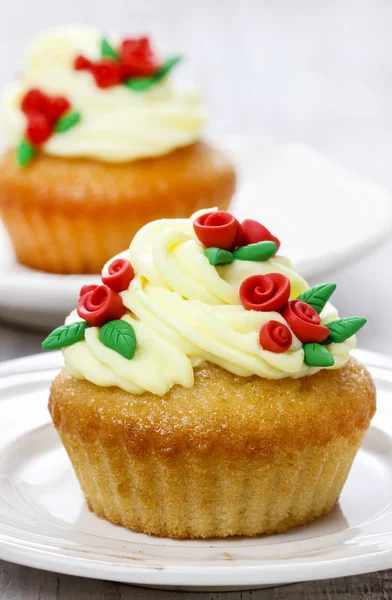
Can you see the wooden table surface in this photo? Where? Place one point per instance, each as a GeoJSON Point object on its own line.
{"type": "Point", "coordinates": [315, 72]}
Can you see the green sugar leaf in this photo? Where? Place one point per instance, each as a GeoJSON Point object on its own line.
{"type": "Point", "coordinates": [217, 256]}
{"type": "Point", "coordinates": [261, 251]}
{"type": "Point", "coordinates": [342, 329]}
{"type": "Point", "coordinates": [120, 337]}
{"type": "Point", "coordinates": [65, 336]}
{"type": "Point", "coordinates": [317, 355]}
{"type": "Point", "coordinates": [318, 295]}
{"type": "Point", "coordinates": [107, 50]}
{"type": "Point", "coordinates": [167, 67]}
{"type": "Point", "coordinates": [140, 84]}
{"type": "Point", "coordinates": [68, 121]}
{"type": "Point", "coordinates": [24, 153]}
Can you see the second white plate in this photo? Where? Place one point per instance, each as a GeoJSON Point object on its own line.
{"type": "Point", "coordinates": [324, 216]}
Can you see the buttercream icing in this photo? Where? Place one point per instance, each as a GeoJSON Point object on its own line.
{"type": "Point", "coordinates": [185, 311]}
{"type": "Point", "coordinates": [118, 124]}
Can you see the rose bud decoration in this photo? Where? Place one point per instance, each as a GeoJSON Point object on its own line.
{"type": "Point", "coordinates": [82, 63]}
{"type": "Point", "coordinates": [107, 73]}
{"type": "Point", "coordinates": [138, 58]}
{"type": "Point", "coordinates": [132, 63]}
{"type": "Point", "coordinates": [265, 292]}
{"type": "Point", "coordinates": [217, 229]}
{"type": "Point", "coordinates": [304, 321]}
{"type": "Point", "coordinates": [46, 115]}
{"type": "Point", "coordinates": [100, 305]}
{"type": "Point", "coordinates": [85, 289]}
{"type": "Point", "coordinates": [34, 101]}
{"type": "Point", "coordinates": [275, 337]}
{"type": "Point", "coordinates": [254, 232]}
{"type": "Point", "coordinates": [39, 128]}
{"type": "Point", "coordinates": [120, 275]}
{"type": "Point", "coordinates": [57, 107]}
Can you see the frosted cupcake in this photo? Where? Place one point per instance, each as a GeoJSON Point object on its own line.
{"type": "Point", "coordinates": [207, 390]}
{"type": "Point", "coordinates": [100, 141]}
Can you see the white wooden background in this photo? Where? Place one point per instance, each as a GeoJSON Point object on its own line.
{"type": "Point", "coordinates": [315, 71]}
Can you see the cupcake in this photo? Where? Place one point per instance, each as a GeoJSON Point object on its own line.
{"type": "Point", "coordinates": [100, 141]}
{"type": "Point", "coordinates": [207, 390]}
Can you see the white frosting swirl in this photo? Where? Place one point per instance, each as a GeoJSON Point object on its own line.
{"type": "Point", "coordinates": [185, 311]}
{"type": "Point", "coordinates": [118, 124]}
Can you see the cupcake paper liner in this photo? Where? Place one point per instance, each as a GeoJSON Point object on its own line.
{"type": "Point", "coordinates": [192, 496]}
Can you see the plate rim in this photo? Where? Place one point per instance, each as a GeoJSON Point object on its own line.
{"type": "Point", "coordinates": [233, 575]}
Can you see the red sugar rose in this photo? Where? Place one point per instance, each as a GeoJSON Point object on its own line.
{"type": "Point", "coordinates": [304, 321]}
{"type": "Point", "coordinates": [39, 128]}
{"type": "Point", "coordinates": [217, 229]}
{"type": "Point", "coordinates": [265, 292]}
{"type": "Point", "coordinates": [120, 275]}
{"type": "Point", "coordinates": [57, 106]}
{"type": "Point", "coordinates": [85, 289]}
{"type": "Point", "coordinates": [137, 58]}
{"type": "Point", "coordinates": [254, 232]}
{"type": "Point", "coordinates": [81, 63]}
{"type": "Point", "coordinates": [275, 337]}
{"type": "Point", "coordinates": [42, 112]}
{"type": "Point", "coordinates": [34, 101]}
{"type": "Point", "coordinates": [107, 73]}
{"type": "Point", "coordinates": [100, 305]}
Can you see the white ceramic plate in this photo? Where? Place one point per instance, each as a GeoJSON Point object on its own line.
{"type": "Point", "coordinates": [324, 215]}
{"type": "Point", "coordinates": [44, 521]}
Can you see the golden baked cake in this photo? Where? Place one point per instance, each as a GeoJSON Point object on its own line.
{"type": "Point", "coordinates": [207, 390]}
{"type": "Point", "coordinates": [100, 141]}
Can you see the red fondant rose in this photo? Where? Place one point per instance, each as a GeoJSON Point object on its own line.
{"type": "Point", "coordinates": [304, 321]}
{"type": "Point", "coordinates": [39, 128]}
{"type": "Point", "coordinates": [120, 275]}
{"type": "Point", "coordinates": [265, 292]}
{"type": "Point", "coordinates": [254, 232]}
{"type": "Point", "coordinates": [34, 101]}
{"type": "Point", "coordinates": [57, 107]}
{"type": "Point", "coordinates": [100, 305]}
{"type": "Point", "coordinates": [85, 289]}
{"type": "Point", "coordinates": [107, 73]}
{"type": "Point", "coordinates": [82, 63]}
{"type": "Point", "coordinates": [137, 58]}
{"type": "Point", "coordinates": [275, 337]}
{"type": "Point", "coordinates": [42, 112]}
{"type": "Point", "coordinates": [217, 229]}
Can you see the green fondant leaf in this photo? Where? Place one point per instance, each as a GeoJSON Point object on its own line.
{"type": "Point", "coordinates": [317, 355]}
{"type": "Point", "coordinates": [120, 337]}
{"type": "Point", "coordinates": [342, 329]}
{"type": "Point", "coordinates": [24, 153]}
{"type": "Point", "coordinates": [107, 50]}
{"type": "Point", "coordinates": [167, 67]}
{"type": "Point", "coordinates": [318, 295]}
{"type": "Point", "coordinates": [217, 256]}
{"type": "Point", "coordinates": [68, 121]}
{"type": "Point", "coordinates": [261, 251]}
{"type": "Point", "coordinates": [65, 336]}
{"type": "Point", "coordinates": [140, 84]}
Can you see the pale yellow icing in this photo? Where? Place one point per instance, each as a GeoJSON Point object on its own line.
{"type": "Point", "coordinates": [185, 311]}
{"type": "Point", "coordinates": [117, 124]}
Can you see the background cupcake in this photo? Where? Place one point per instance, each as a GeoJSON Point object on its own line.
{"type": "Point", "coordinates": [101, 142]}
